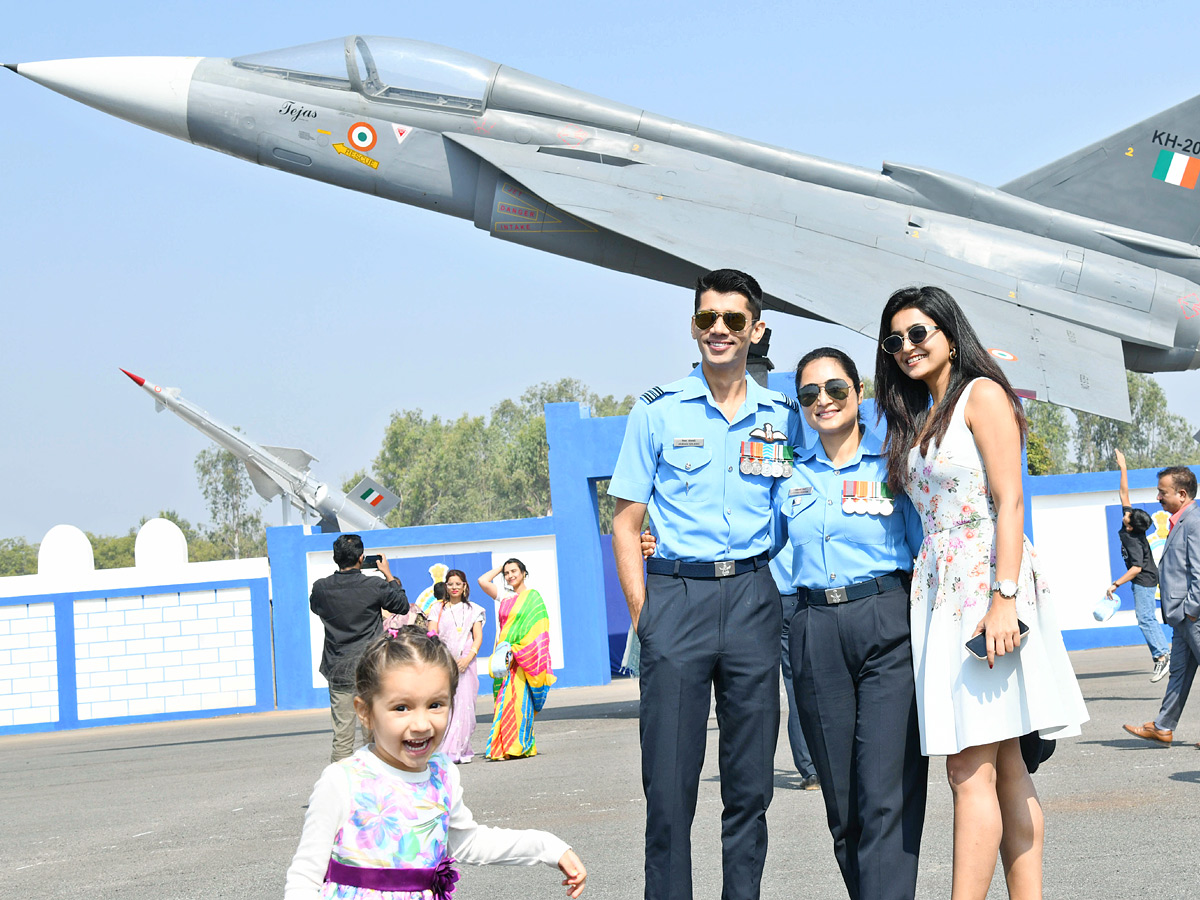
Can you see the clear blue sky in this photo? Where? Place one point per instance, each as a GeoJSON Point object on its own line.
{"type": "Point", "coordinates": [306, 314]}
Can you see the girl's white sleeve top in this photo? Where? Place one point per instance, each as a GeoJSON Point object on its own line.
{"type": "Point", "coordinates": [480, 845]}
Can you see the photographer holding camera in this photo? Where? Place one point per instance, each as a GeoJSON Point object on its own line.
{"type": "Point", "coordinates": [351, 606]}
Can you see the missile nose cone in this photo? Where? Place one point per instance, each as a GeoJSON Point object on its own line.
{"type": "Point", "coordinates": [151, 91]}
{"type": "Point", "coordinates": [137, 379]}
{"type": "Point", "coordinates": [12, 66]}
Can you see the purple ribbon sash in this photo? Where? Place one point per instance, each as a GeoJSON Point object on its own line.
{"type": "Point", "coordinates": [440, 879]}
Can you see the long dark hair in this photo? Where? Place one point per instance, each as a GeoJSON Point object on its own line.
{"type": "Point", "coordinates": [905, 401]}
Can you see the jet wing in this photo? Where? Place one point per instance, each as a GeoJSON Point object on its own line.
{"type": "Point", "coordinates": [830, 272]}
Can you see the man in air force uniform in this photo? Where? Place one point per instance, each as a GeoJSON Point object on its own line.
{"type": "Point", "coordinates": [701, 455]}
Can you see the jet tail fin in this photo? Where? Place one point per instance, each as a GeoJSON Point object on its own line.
{"type": "Point", "coordinates": [1145, 177]}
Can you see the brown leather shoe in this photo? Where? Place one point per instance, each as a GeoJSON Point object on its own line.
{"type": "Point", "coordinates": [1150, 732]}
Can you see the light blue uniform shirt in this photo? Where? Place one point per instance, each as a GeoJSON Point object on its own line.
{"type": "Point", "coordinates": [682, 459]}
{"type": "Point", "coordinates": [833, 548]}
{"type": "Point", "coordinates": [781, 569]}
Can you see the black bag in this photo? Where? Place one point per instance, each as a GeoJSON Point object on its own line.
{"type": "Point", "coordinates": [1035, 750]}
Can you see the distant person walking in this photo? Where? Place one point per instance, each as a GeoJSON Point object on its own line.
{"type": "Point", "coordinates": [459, 623]}
{"type": "Point", "coordinates": [1141, 572]}
{"type": "Point", "coordinates": [351, 606]}
{"type": "Point", "coordinates": [521, 693]}
{"type": "Point", "coordinates": [1179, 581]}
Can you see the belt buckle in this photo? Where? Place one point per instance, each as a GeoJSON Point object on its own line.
{"type": "Point", "coordinates": [834, 596]}
{"type": "Point", "coordinates": [723, 569]}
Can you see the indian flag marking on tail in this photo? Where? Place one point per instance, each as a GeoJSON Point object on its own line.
{"type": "Point", "coordinates": [372, 496]}
{"type": "Point", "coordinates": [1177, 168]}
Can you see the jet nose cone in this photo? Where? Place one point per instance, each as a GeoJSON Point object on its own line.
{"type": "Point", "coordinates": [151, 91]}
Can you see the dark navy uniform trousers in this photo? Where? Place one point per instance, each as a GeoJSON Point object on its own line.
{"type": "Point", "coordinates": [858, 710]}
{"type": "Point", "coordinates": [699, 635]}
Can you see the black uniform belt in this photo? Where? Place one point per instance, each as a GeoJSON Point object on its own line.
{"type": "Point", "coordinates": [834, 596]}
{"type": "Point", "coordinates": [721, 569]}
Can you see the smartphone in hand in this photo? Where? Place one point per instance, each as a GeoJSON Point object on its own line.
{"type": "Point", "coordinates": [977, 646]}
{"type": "Point", "coordinates": [372, 561]}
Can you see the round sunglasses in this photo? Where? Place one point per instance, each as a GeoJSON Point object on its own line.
{"type": "Point", "coordinates": [706, 319]}
{"type": "Point", "coordinates": [834, 388]}
{"type": "Point", "coordinates": [917, 334]}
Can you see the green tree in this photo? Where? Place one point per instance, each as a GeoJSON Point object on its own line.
{"type": "Point", "coordinates": [1048, 445]}
{"type": "Point", "coordinates": [437, 468]}
{"type": "Point", "coordinates": [475, 470]}
{"type": "Point", "coordinates": [113, 551]}
{"type": "Point", "coordinates": [1156, 437]}
{"type": "Point", "coordinates": [18, 557]}
{"type": "Point", "coordinates": [236, 528]}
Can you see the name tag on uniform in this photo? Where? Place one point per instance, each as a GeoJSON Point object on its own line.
{"type": "Point", "coordinates": [800, 491]}
{"type": "Point", "coordinates": [689, 442]}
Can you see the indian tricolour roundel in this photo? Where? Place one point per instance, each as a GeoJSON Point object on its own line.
{"type": "Point", "coordinates": [361, 136]}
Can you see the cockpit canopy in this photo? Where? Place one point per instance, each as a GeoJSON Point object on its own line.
{"type": "Point", "coordinates": [394, 70]}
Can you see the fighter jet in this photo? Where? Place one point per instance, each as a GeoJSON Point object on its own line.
{"type": "Point", "coordinates": [1071, 274]}
{"type": "Point", "coordinates": [282, 471]}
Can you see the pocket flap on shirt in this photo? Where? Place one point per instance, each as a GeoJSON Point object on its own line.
{"type": "Point", "coordinates": [793, 506]}
{"type": "Point", "coordinates": [687, 458]}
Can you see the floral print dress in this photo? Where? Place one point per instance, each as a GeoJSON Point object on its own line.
{"type": "Point", "coordinates": [393, 825]}
{"type": "Point", "coordinates": [960, 701]}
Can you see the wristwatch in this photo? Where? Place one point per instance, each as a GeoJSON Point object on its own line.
{"type": "Point", "coordinates": [1007, 588]}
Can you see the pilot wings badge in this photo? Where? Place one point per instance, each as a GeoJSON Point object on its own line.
{"type": "Point", "coordinates": [768, 434]}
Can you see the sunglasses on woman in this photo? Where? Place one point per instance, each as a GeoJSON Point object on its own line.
{"type": "Point", "coordinates": [706, 319]}
{"type": "Point", "coordinates": [834, 388]}
{"type": "Point", "coordinates": [917, 335]}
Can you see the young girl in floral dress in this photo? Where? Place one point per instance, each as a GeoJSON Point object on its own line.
{"type": "Point", "coordinates": [389, 822]}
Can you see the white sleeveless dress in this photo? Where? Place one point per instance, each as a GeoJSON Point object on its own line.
{"type": "Point", "coordinates": [960, 701]}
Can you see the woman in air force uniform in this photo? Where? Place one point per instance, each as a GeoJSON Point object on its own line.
{"type": "Point", "coordinates": [853, 547]}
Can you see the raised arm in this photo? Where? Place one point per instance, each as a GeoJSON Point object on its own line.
{"type": "Point", "coordinates": [487, 581]}
{"type": "Point", "coordinates": [1124, 489]}
{"type": "Point", "coordinates": [627, 552]}
{"type": "Point", "coordinates": [993, 423]}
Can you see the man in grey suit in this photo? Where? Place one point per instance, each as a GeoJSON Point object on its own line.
{"type": "Point", "coordinates": [1179, 587]}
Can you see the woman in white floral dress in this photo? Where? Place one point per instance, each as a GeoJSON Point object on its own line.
{"type": "Point", "coordinates": [955, 429]}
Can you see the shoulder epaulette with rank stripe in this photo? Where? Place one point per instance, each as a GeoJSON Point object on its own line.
{"type": "Point", "coordinates": [653, 394]}
{"type": "Point", "coordinates": [791, 404]}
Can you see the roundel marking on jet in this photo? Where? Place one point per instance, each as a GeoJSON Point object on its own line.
{"type": "Point", "coordinates": [361, 136]}
{"type": "Point", "coordinates": [1002, 354]}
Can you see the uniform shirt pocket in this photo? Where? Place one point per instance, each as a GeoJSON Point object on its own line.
{"type": "Point", "coordinates": [683, 478]}
{"type": "Point", "coordinates": [803, 514]}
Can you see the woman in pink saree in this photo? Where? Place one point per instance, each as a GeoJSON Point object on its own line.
{"type": "Point", "coordinates": [459, 623]}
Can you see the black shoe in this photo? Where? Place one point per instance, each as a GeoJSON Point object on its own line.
{"type": "Point", "coordinates": [810, 783]}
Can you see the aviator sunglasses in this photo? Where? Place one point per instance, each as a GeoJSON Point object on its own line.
{"type": "Point", "coordinates": [835, 389]}
{"type": "Point", "coordinates": [706, 319]}
{"type": "Point", "coordinates": [917, 334]}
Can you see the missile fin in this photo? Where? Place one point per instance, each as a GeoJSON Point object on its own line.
{"type": "Point", "coordinates": [293, 456]}
{"type": "Point", "coordinates": [263, 483]}
{"type": "Point", "coordinates": [372, 497]}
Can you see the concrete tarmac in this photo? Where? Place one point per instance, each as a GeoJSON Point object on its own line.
{"type": "Point", "coordinates": [213, 808]}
